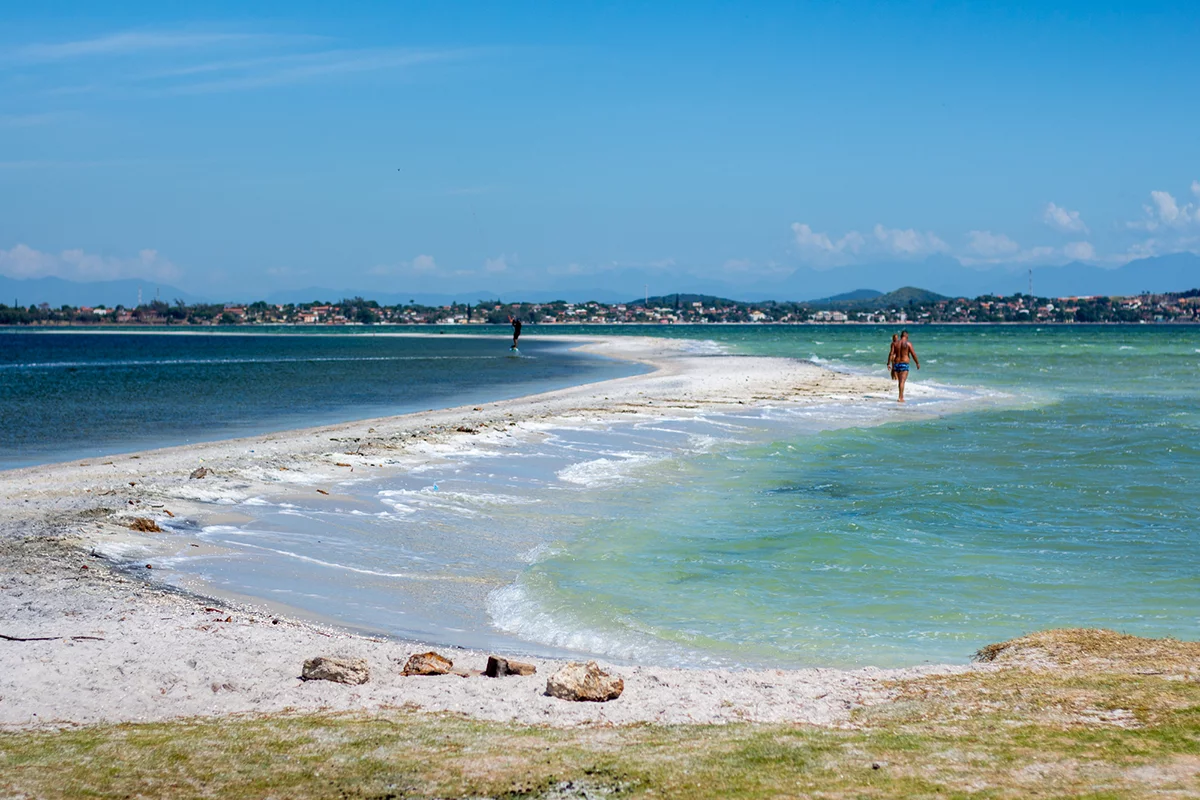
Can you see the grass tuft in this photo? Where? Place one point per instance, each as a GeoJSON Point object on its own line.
{"type": "Point", "coordinates": [1045, 721]}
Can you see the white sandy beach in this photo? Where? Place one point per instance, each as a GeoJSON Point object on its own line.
{"type": "Point", "coordinates": [159, 653]}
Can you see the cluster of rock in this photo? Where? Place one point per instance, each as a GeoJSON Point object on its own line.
{"type": "Point", "coordinates": [572, 681]}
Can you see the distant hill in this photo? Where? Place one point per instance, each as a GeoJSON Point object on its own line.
{"type": "Point", "coordinates": [678, 300]}
{"type": "Point", "coordinates": [469, 297]}
{"type": "Point", "coordinates": [866, 298]}
{"type": "Point", "coordinates": [858, 295]}
{"type": "Point", "coordinates": [905, 295]}
{"type": "Point", "coordinates": [58, 292]}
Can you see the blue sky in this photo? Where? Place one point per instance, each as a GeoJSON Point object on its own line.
{"type": "Point", "coordinates": [221, 147]}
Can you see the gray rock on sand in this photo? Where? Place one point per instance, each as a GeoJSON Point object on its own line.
{"type": "Point", "coordinates": [428, 664]}
{"type": "Point", "coordinates": [499, 667]}
{"type": "Point", "coordinates": [584, 682]}
{"type": "Point", "coordinates": [339, 670]}
{"type": "Point", "coordinates": [198, 472]}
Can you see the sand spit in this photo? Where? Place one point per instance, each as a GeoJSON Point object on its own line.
{"type": "Point", "coordinates": [159, 653]}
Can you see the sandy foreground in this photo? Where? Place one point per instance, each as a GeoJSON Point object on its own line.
{"type": "Point", "coordinates": [145, 652]}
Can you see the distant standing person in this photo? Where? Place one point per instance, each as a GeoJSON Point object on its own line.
{"type": "Point", "coordinates": [892, 355]}
{"type": "Point", "coordinates": [516, 323]}
{"type": "Point", "coordinates": [904, 351]}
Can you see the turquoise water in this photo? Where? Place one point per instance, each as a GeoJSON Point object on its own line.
{"type": "Point", "coordinates": [1072, 504]}
{"type": "Point", "coordinates": [1039, 477]}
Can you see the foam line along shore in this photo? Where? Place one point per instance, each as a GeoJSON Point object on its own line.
{"type": "Point", "coordinates": [159, 645]}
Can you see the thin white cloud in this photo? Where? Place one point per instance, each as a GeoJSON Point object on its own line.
{"type": "Point", "coordinates": [30, 120]}
{"type": "Point", "coordinates": [570, 269]}
{"type": "Point", "coordinates": [23, 261]}
{"type": "Point", "coordinates": [328, 64]}
{"type": "Point", "coordinates": [183, 62]}
{"type": "Point", "coordinates": [421, 265]}
{"type": "Point", "coordinates": [990, 253]}
{"type": "Point", "coordinates": [1196, 188]}
{"type": "Point", "coordinates": [991, 245]}
{"type": "Point", "coordinates": [1063, 219]}
{"type": "Point", "coordinates": [50, 164]}
{"type": "Point", "coordinates": [815, 244]}
{"type": "Point", "coordinates": [497, 264]}
{"type": "Point", "coordinates": [1079, 251]}
{"type": "Point", "coordinates": [1145, 248]}
{"type": "Point", "coordinates": [745, 268]}
{"type": "Point", "coordinates": [1165, 212]}
{"type": "Point", "coordinates": [286, 272]}
{"type": "Point", "coordinates": [909, 243]}
{"type": "Point", "coordinates": [232, 65]}
{"type": "Point", "coordinates": [128, 43]}
{"type": "Point", "coordinates": [1164, 203]}
{"type": "Point", "coordinates": [823, 249]}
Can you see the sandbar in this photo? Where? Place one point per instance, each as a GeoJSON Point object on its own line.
{"type": "Point", "coordinates": [90, 639]}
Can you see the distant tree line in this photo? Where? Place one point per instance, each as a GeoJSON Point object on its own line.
{"type": "Point", "coordinates": [904, 305]}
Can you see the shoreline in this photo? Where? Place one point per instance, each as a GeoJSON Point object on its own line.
{"type": "Point", "coordinates": [164, 650]}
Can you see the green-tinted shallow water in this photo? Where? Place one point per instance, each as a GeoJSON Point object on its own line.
{"type": "Point", "coordinates": [1071, 504]}
{"type": "Point", "coordinates": [1039, 477]}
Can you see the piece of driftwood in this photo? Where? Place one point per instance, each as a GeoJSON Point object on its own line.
{"type": "Point", "coordinates": [46, 638]}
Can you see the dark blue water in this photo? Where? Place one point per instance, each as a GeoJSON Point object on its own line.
{"type": "Point", "coordinates": [66, 395]}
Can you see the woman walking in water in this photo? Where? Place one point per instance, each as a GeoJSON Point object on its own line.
{"type": "Point", "coordinates": [902, 351]}
{"type": "Point", "coordinates": [892, 355]}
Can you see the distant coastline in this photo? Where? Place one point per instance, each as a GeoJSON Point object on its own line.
{"type": "Point", "coordinates": [903, 306]}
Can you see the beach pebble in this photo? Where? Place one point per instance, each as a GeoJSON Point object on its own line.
{"type": "Point", "coordinates": [499, 667]}
{"type": "Point", "coordinates": [584, 682]}
{"type": "Point", "coordinates": [339, 670]}
{"type": "Point", "coordinates": [199, 472]}
{"type": "Point", "coordinates": [427, 664]}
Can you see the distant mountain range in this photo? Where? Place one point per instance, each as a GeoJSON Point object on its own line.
{"type": "Point", "coordinates": [940, 274]}
{"type": "Point", "coordinates": [58, 292]}
{"type": "Point", "coordinates": [866, 298]}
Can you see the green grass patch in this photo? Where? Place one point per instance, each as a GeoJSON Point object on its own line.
{"type": "Point", "coordinates": [1073, 714]}
{"type": "Point", "coordinates": [934, 748]}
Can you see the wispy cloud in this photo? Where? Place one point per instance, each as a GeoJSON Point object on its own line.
{"type": "Point", "coordinates": [421, 265]}
{"type": "Point", "coordinates": [35, 163]}
{"type": "Point", "coordinates": [23, 261]}
{"type": "Point", "coordinates": [824, 249]}
{"type": "Point", "coordinates": [991, 245]}
{"type": "Point", "coordinates": [908, 242]}
{"type": "Point", "coordinates": [1080, 251]}
{"type": "Point", "coordinates": [498, 264]}
{"type": "Point", "coordinates": [130, 43]}
{"type": "Point", "coordinates": [1063, 219]}
{"type": "Point", "coordinates": [31, 120]}
{"type": "Point", "coordinates": [188, 62]}
{"type": "Point", "coordinates": [319, 66]}
{"type": "Point", "coordinates": [1166, 213]}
